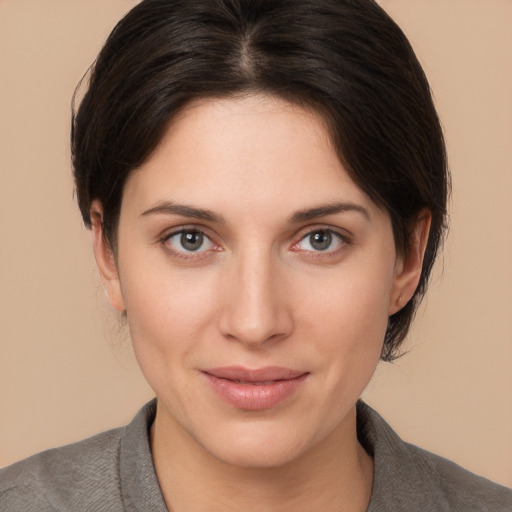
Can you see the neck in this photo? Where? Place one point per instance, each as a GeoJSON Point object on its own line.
{"type": "Point", "coordinates": [336, 475]}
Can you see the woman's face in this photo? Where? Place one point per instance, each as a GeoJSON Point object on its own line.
{"type": "Point", "coordinates": [257, 280]}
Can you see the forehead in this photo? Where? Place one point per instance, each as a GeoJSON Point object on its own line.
{"type": "Point", "coordinates": [249, 151]}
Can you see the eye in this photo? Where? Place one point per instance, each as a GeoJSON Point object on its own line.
{"type": "Point", "coordinates": [320, 240]}
{"type": "Point", "coordinates": [189, 240]}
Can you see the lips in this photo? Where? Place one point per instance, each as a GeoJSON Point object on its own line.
{"type": "Point", "coordinates": [254, 389]}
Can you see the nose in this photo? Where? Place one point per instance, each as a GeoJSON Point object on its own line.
{"type": "Point", "coordinates": [255, 308]}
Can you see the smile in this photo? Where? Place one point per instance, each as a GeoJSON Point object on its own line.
{"type": "Point", "coordinates": [257, 389]}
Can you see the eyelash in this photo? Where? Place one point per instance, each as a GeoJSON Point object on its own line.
{"type": "Point", "coordinates": [334, 236]}
{"type": "Point", "coordinates": [184, 253]}
{"type": "Point", "coordinates": [342, 241]}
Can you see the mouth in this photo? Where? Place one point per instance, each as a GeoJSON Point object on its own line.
{"type": "Point", "coordinates": [257, 383]}
{"type": "Point", "coordinates": [255, 389]}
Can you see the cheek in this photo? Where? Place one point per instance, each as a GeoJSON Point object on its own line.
{"type": "Point", "coordinates": [351, 304]}
{"type": "Point", "coordinates": [352, 335]}
{"type": "Point", "coordinates": [348, 317]}
{"type": "Point", "coordinates": [167, 310]}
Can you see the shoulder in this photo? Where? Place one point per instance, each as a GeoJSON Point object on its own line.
{"type": "Point", "coordinates": [110, 472]}
{"type": "Point", "coordinates": [408, 478]}
{"type": "Point", "coordinates": [457, 487]}
{"type": "Point", "coordinates": [62, 478]}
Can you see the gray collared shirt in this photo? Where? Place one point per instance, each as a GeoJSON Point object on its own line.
{"type": "Point", "coordinates": [114, 472]}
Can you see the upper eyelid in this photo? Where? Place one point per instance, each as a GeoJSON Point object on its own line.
{"type": "Point", "coordinates": [336, 234]}
{"type": "Point", "coordinates": [342, 233]}
{"type": "Point", "coordinates": [330, 230]}
{"type": "Point", "coordinates": [169, 232]}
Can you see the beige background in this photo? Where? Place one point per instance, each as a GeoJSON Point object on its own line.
{"type": "Point", "coordinates": [66, 368]}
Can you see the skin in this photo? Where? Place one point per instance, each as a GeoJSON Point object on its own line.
{"type": "Point", "coordinates": [257, 293]}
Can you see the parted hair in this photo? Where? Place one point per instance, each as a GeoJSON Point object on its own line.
{"type": "Point", "coordinates": [345, 59]}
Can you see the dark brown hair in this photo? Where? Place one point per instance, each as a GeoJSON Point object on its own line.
{"type": "Point", "coordinates": [345, 59]}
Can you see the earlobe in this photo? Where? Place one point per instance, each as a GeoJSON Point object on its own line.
{"type": "Point", "coordinates": [408, 268]}
{"type": "Point", "coordinates": [105, 259]}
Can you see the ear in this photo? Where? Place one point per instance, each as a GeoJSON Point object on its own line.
{"type": "Point", "coordinates": [408, 267]}
{"type": "Point", "coordinates": [105, 259]}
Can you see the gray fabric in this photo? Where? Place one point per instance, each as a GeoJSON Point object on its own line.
{"type": "Point", "coordinates": [110, 472]}
{"type": "Point", "coordinates": [407, 478]}
{"type": "Point", "coordinates": [114, 472]}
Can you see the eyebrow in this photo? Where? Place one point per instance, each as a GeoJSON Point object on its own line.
{"type": "Point", "coordinates": [327, 209]}
{"type": "Point", "coordinates": [184, 210]}
{"type": "Point", "coordinates": [169, 208]}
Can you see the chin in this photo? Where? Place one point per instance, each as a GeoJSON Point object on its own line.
{"type": "Point", "coordinates": [258, 446]}
{"type": "Point", "coordinates": [258, 456]}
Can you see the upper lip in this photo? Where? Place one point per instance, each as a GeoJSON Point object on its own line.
{"type": "Point", "coordinates": [268, 373]}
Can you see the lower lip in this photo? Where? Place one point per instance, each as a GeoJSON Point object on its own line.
{"type": "Point", "coordinates": [254, 397]}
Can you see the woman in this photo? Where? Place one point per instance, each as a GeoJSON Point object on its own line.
{"type": "Point", "coordinates": [266, 186]}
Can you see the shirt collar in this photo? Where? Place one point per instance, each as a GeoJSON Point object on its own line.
{"type": "Point", "coordinates": [399, 477]}
{"type": "Point", "coordinates": [139, 485]}
{"type": "Point", "coordinates": [402, 477]}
